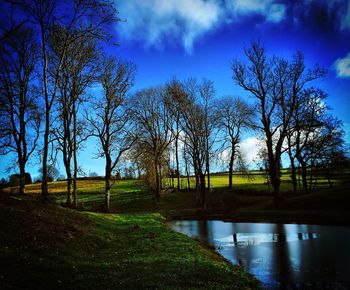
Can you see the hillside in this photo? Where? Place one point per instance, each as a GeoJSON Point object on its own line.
{"type": "Point", "coordinates": [49, 247]}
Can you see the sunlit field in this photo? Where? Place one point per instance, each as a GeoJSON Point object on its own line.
{"type": "Point", "coordinates": [254, 181]}
{"type": "Point", "coordinates": [134, 196]}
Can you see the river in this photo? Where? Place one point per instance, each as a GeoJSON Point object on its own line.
{"type": "Point", "coordinates": [282, 256]}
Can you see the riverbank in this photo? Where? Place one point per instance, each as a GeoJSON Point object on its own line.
{"type": "Point", "coordinates": [246, 202]}
{"type": "Point", "coordinates": [267, 216]}
{"type": "Point", "coordinates": [50, 247]}
{"type": "Point", "coordinates": [325, 207]}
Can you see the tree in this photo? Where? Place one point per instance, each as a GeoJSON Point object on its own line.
{"type": "Point", "coordinates": [90, 16]}
{"type": "Point", "coordinates": [207, 93]}
{"type": "Point", "coordinates": [16, 179]}
{"type": "Point", "coordinates": [233, 116]}
{"type": "Point", "coordinates": [330, 151]}
{"type": "Point", "coordinates": [110, 122]}
{"type": "Point", "coordinates": [52, 172]}
{"type": "Point", "coordinates": [154, 126]}
{"type": "Point", "coordinates": [276, 84]}
{"type": "Point", "coordinates": [306, 120]}
{"type": "Point", "coordinates": [174, 92]}
{"type": "Point", "coordinates": [19, 112]}
{"type": "Point", "coordinates": [196, 131]}
{"type": "Point", "coordinates": [77, 74]}
{"type": "Point", "coordinates": [93, 174]}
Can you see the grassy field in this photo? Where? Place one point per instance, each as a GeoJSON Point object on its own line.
{"type": "Point", "coordinates": [251, 198]}
{"type": "Point", "coordinates": [47, 246]}
{"type": "Point", "coordinates": [50, 247]}
{"type": "Point", "coordinates": [254, 181]}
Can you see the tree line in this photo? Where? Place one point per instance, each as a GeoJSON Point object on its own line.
{"type": "Point", "coordinates": [60, 85]}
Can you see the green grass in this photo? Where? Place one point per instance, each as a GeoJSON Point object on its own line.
{"type": "Point", "coordinates": [48, 247]}
{"type": "Point", "coordinates": [53, 247]}
{"type": "Point", "coordinates": [132, 196]}
{"type": "Point", "coordinates": [254, 181]}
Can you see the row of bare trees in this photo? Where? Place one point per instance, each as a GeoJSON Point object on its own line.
{"type": "Point", "coordinates": [292, 113]}
{"type": "Point", "coordinates": [289, 113]}
{"type": "Point", "coordinates": [49, 60]}
{"type": "Point", "coordinates": [58, 87]}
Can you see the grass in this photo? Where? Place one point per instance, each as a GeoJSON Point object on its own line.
{"type": "Point", "coordinates": [49, 247]}
{"type": "Point", "coordinates": [249, 192]}
{"type": "Point", "coordinates": [53, 247]}
{"type": "Point", "coordinates": [254, 181]}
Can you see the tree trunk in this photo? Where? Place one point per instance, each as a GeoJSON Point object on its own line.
{"type": "Point", "coordinates": [329, 178]}
{"type": "Point", "coordinates": [207, 165]}
{"type": "Point", "coordinates": [196, 173]}
{"type": "Point", "coordinates": [230, 167]}
{"type": "Point", "coordinates": [22, 180]}
{"type": "Point", "coordinates": [275, 179]}
{"type": "Point", "coordinates": [44, 186]}
{"type": "Point", "coordinates": [273, 161]}
{"type": "Point", "coordinates": [292, 166]}
{"type": "Point", "coordinates": [69, 184]}
{"type": "Point", "coordinates": [157, 179]}
{"type": "Point", "coordinates": [107, 193]}
{"type": "Point", "coordinates": [293, 174]}
{"type": "Point", "coordinates": [108, 173]}
{"type": "Point", "coordinates": [304, 176]}
{"type": "Point", "coordinates": [160, 178]}
{"type": "Point", "coordinates": [177, 162]}
{"type": "Point", "coordinates": [203, 200]}
{"type": "Point", "coordinates": [187, 169]}
{"type": "Point", "coordinates": [75, 161]}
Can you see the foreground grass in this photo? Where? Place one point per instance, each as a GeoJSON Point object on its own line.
{"type": "Point", "coordinates": [48, 247]}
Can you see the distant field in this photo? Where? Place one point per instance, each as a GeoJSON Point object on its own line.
{"type": "Point", "coordinates": [134, 196]}
{"type": "Point", "coordinates": [124, 194]}
{"type": "Point", "coordinates": [255, 180]}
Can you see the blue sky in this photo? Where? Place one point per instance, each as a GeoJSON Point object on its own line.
{"type": "Point", "coordinates": [199, 38]}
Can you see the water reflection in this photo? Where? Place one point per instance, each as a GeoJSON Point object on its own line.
{"type": "Point", "coordinates": [282, 256]}
{"type": "Point", "coordinates": [251, 239]}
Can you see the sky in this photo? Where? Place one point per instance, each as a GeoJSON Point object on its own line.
{"type": "Point", "coordinates": [199, 38]}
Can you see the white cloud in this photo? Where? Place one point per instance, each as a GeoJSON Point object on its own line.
{"type": "Point", "coordinates": [342, 66]}
{"type": "Point", "coordinates": [276, 13]}
{"type": "Point", "coordinates": [153, 21]}
{"type": "Point", "coordinates": [157, 21]}
{"type": "Point", "coordinates": [250, 147]}
{"type": "Point", "coordinates": [272, 12]}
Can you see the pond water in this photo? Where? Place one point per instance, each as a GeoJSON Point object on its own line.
{"type": "Point", "coordinates": [282, 256]}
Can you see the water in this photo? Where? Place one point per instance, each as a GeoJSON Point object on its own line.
{"type": "Point", "coordinates": [282, 256]}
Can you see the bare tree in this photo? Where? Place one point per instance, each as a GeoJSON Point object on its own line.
{"type": "Point", "coordinates": [19, 113]}
{"type": "Point", "coordinates": [109, 120]}
{"type": "Point", "coordinates": [276, 84]}
{"type": "Point", "coordinates": [154, 128]}
{"type": "Point", "coordinates": [306, 120]}
{"type": "Point", "coordinates": [174, 92]}
{"type": "Point", "coordinates": [195, 129]}
{"type": "Point", "coordinates": [77, 74]}
{"type": "Point", "coordinates": [91, 15]}
{"type": "Point", "coordinates": [233, 116]}
{"type": "Point", "coordinates": [207, 93]}
{"type": "Point", "coordinates": [314, 135]}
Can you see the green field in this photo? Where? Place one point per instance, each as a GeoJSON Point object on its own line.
{"type": "Point", "coordinates": [249, 192]}
{"type": "Point", "coordinates": [49, 247]}
{"type": "Point", "coordinates": [254, 180]}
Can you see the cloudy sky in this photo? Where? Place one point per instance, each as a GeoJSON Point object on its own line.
{"type": "Point", "coordinates": [199, 38]}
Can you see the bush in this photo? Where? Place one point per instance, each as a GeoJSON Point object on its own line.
{"type": "Point", "coordinates": [15, 179]}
